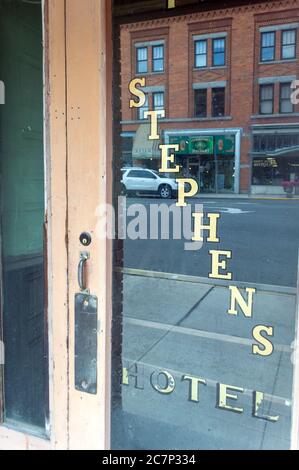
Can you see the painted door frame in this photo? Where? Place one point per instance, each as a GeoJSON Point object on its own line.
{"type": "Point", "coordinates": [80, 149]}
{"type": "Point", "coordinates": [78, 156]}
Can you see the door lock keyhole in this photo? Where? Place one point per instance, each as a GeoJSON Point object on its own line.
{"type": "Point", "coordinates": [85, 239]}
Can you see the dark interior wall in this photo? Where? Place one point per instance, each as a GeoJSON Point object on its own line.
{"type": "Point", "coordinates": [22, 212]}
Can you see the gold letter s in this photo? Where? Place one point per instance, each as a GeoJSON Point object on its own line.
{"type": "Point", "coordinates": [137, 92]}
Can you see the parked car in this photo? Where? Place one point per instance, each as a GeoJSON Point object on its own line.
{"type": "Point", "coordinates": [141, 180]}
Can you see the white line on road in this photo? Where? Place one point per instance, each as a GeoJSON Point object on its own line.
{"type": "Point", "coordinates": [232, 210]}
{"type": "Point", "coordinates": [200, 333]}
{"type": "Point", "coordinates": [265, 288]}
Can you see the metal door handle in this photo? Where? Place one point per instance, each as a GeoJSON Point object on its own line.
{"type": "Point", "coordinates": [84, 256]}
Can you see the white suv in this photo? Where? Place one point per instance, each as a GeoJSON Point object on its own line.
{"type": "Point", "coordinates": [141, 180]}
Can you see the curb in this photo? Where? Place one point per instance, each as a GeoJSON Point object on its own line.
{"type": "Point", "coordinates": [250, 197]}
{"type": "Point", "coordinates": [274, 198]}
{"type": "Point", "coordinates": [282, 290]}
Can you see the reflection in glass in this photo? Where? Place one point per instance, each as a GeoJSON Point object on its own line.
{"type": "Point", "coordinates": [204, 329]}
{"type": "Point", "coordinates": [22, 216]}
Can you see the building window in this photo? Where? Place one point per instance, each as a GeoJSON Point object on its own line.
{"type": "Point", "coordinates": [272, 171]}
{"type": "Point", "coordinates": [200, 103]}
{"type": "Point", "coordinates": [263, 143]}
{"type": "Point", "coordinates": [268, 46]}
{"type": "Point", "coordinates": [218, 102]}
{"type": "Point", "coordinates": [158, 58]}
{"type": "Point", "coordinates": [200, 53]}
{"type": "Point", "coordinates": [142, 56]}
{"type": "Point", "coordinates": [288, 44]}
{"type": "Point", "coordinates": [266, 99]}
{"type": "Point", "coordinates": [143, 109]}
{"type": "Point", "coordinates": [218, 52]}
{"type": "Point", "coordinates": [158, 101]}
{"type": "Point", "coordinates": [285, 104]}
{"type": "Point", "coordinates": [127, 143]}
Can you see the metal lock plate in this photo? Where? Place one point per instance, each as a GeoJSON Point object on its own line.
{"type": "Point", "coordinates": [86, 328]}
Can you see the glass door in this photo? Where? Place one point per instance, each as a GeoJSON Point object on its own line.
{"type": "Point", "coordinates": [205, 288]}
{"type": "Point", "coordinates": [24, 366]}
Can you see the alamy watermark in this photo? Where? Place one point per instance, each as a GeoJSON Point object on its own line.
{"type": "Point", "coordinates": [154, 221]}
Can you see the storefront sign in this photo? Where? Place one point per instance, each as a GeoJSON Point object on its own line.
{"type": "Point", "coordinates": [204, 145]}
{"type": "Point", "coordinates": [182, 142]}
{"type": "Point", "coordinates": [225, 145]}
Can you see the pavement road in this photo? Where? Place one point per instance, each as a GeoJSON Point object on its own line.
{"type": "Point", "coordinates": [263, 236]}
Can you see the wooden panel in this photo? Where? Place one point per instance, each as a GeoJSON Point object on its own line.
{"type": "Point", "coordinates": [87, 188]}
{"type": "Point", "coordinates": [13, 440]}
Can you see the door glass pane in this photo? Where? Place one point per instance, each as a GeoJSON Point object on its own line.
{"type": "Point", "coordinates": [22, 215]}
{"type": "Point", "coordinates": [204, 321]}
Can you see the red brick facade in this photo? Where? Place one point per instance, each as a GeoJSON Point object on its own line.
{"type": "Point", "coordinates": [242, 72]}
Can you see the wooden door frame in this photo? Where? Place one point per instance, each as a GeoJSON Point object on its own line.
{"type": "Point", "coordinates": [78, 168]}
{"type": "Point", "coordinates": [80, 178]}
{"type": "Point", "coordinates": [89, 166]}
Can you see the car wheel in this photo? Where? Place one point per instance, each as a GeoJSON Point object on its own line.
{"type": "Point", "coordinates": [165, 191]}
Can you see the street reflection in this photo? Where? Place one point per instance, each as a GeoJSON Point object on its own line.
{"type": "Point", "coordinates": [182, 327]}
{"type": "Point", "coordinates": [208, 335]}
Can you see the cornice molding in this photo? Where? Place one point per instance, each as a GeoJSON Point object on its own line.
{"type": "Point", "coordinates": [211, 14]}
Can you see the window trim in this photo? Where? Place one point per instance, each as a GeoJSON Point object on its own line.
{"type": "Point", "coordinates": [282, 45]}
{"type": "Point", "coordinates": [263, 47]}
